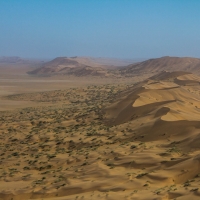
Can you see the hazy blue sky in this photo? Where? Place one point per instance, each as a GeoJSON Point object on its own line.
{"type": "Point", "coordinates": [100, 28]}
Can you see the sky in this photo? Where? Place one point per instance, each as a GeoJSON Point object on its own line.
{"type": "Point", "coordinates": [100, 28]}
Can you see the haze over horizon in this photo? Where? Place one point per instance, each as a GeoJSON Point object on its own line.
{"type": "Point", "coordinates": [117, 29]}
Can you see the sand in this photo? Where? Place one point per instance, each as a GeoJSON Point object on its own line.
{"type": "Point", "coordinates": [68, 138]}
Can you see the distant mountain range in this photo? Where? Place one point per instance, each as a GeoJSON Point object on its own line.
{"type": "Point", "coordinates": [105, 67]}
{"type": "Point", "coordinates": [83, 66]}
{"type": "Point", "coordinates": [13, 59]}
{"type": "Point", "coordinates": [18, 60]}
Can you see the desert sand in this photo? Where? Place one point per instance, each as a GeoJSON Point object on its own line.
{"type": "Point", "coordinates": [66, 137]}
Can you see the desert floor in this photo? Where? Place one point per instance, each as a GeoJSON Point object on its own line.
{"type": "Point", "coordinates": [92, 138]}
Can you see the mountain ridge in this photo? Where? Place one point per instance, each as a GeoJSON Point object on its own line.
{"type": "Point", "coordinates": [164, 63]}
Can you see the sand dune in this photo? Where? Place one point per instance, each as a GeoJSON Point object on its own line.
{"type": "Point", "coordinates": [164, 110]}
{"type": "Point", "coordinates": [183, 103]}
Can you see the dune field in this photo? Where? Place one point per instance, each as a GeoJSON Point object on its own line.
{"type": "Point", "coordinates": [67, 137]}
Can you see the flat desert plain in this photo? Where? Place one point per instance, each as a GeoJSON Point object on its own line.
{"type": "Point", "coordinates": [65, 137]}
